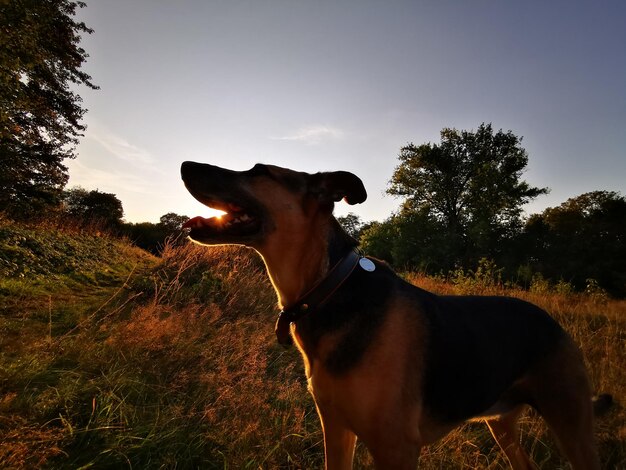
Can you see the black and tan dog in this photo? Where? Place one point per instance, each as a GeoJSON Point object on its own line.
{"type": "Point", "coordinates": [388, 362]}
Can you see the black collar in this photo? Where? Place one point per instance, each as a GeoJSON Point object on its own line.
{"type": "Point", "coordinates": [316, 297]}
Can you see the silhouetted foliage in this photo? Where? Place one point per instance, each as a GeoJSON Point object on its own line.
{"type": "Point", "coordinates": [583, 238]}
{"type": "Point", "coordinates": [40, 61]}
{"type": "Point", "coordinates": [413, 240]}
{"type": "Point", "coordinates": [375, 239]}
{"type": "Point", "coordinates": [465, 192]}
{"type": "Point", "coordinates": [352, 224]}
{"type": "Point", "coordinates": [152, 237]}
{"type": "Point", "coordinates": [93, 206]}
{"type": "Point", "coordinates": [173, 222]}
{"type": "Point", "coordinates": [146, 235]}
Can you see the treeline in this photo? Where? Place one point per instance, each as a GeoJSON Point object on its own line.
{"type": "Point", "coordinates": [580, 243]}
{"type": "Point", "coordinates": [461, 210]}
{"type": "Point", "coordinates": [462, 204]}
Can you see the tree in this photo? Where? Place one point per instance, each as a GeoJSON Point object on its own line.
{"type": "Point", "coordinates": [377, 239]}
{"type": "Point", "coordinates": [153, 237]}
{"type": "Point", "coordinates": [93, 206]}
{"type": "Point", "coordinates": [173, 222]}
{"type": "Point", "coordinates": [352, 224]}
{"type": "Point", "coordinates": [470, 185]}
{"type": "Point", "coordinates": [40, 60]}
{"type": "Point", "coordinates": [171, 225]}
{"type": "Point", "coordinates": [407, 239]}
{"type": "Point", "coordinates": [583, 238]}
{"type": "Point", "coordinates": [147, 235]}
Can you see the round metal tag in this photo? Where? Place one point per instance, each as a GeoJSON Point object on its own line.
{"type": "Point", "coordinates": [367, 265]}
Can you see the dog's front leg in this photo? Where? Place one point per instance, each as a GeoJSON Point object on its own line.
{"type": "Point", "coordinates": [339, 441]}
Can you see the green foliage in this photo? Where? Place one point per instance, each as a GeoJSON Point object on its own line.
{"type": "Point", "coordinates": [40, 250]}
{"type": "Point", "coordinates": [593, 290]}
{"type": "Point", "coordinates": [173, 222]}
{"type": "Point", "coordinates": [40, 61]}
{"type": "Point", "coordinates": [376, 240]}
{"type": "Point", "coordinates": [93, 207]}
{"type": "Point", "coordinates": [582, 238]}
{"type": "Point", "coordinates": [485, 277]}
{"type": "Point", "coordinates": [468, 187]}
{"type": "Point", "coordinates": [154, 237]}
{"type": "Point", "coordinates": [409, 239]}
{"type": "Point", "coordinates": [462, 202]}
{"type": "Point", "coordinates": [352, 224]}
{"type": "Point", "coordinates": [563, 287]}
{"type": "Point", "coordinates": [539, 285]}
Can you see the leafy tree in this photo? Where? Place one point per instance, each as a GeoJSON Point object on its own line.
{"type": "Point", "coordinates": [146, 235]}
{"type": "Point", "coordinates": [93, 206]}
{"type": "Point", "coordinates": [352, 224]}
{"type": "Point", "coordinates": [40, 61]}
{"type": "Point", "coordinates": [153, 237]}
{"type": "Point", "coordinates": [407, 239]}
{"type": "Point", "coordinates": [469, 186]}
{"type": "Point", "coordinates": [171, 226]}
{"type": "Point", "coordinates": [583, 238]}
{"type": "Point", "coordinates": [377, 239]}
{"type": "Point", "coordinates": [173, 222]}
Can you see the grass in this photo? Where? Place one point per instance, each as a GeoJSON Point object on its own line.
{"type": "Point", "coordinates": [126, 361]}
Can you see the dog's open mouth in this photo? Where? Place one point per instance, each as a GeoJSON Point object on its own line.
{"type": "Point", "coordinates": [236, 221]}
{"type": "Point", "coordinates": [244, 220]}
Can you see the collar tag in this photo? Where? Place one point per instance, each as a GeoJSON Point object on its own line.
{"type": "Point", "coordinates": [367, 265]}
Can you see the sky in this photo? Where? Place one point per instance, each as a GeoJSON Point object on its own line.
{"type": "Point", "coordinates": [342, 85]}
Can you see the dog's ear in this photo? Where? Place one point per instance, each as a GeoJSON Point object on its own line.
{"type": "Point", "coordinates": [337, 185]}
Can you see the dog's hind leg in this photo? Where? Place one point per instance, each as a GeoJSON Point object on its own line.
{"type": "Point", "coordinates": [570, 418]}
{"type": "Point", "coordinates": [505, 432]}
{"type": "Point", "coordinates": [563, 398]}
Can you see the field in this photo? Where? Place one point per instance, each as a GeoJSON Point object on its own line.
{"type": "Point", "coordinates": [112, 358]}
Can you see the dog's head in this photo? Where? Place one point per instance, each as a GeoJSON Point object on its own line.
{"type": "Point", "coordinates": [263, 200]}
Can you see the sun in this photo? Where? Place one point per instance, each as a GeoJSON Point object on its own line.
{"type": "Point", "coordinates": [215, 213]}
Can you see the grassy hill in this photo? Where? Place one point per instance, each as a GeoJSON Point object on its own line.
{"type": "Point", "coordinates": [111, 358]}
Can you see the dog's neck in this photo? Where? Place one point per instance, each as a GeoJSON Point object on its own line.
{"type": "Point", "coordinates": [295, 267]}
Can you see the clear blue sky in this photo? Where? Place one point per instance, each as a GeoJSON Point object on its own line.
{"type": "Point", "coordinates": [342, 85]}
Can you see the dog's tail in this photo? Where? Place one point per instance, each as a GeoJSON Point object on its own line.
{"type": "Point", "coordinates": [602, 403]}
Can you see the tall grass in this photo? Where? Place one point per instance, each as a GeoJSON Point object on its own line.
{"type": "Point", "coordinates": [178, 367]}
{"type": "Point", "coordinates": [187, 375]}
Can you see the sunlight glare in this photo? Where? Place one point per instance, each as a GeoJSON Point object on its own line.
{"type": "Point", "coordinates": [215, 213]}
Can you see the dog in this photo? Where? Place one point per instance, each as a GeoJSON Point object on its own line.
{"type": "Point", "coordinates": [387, 362]}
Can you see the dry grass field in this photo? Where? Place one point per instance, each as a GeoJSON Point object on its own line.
{"type": "Point", "coordinates": [172, 363]}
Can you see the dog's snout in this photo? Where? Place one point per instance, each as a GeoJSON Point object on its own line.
{"type": "Point", "coordinates": [204, 173]}
{"type": "Point", "coordinates": [188, 168]}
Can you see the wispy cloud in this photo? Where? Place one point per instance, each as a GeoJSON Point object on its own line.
{"type": "Point", "coordinates": [312, 135]}
{"type": "Point", "coordinates": [116, 180]}
{"type": "Point", "coordinates": [109, 162]}
{"type": "Point", "coordinates": [120, 147]}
